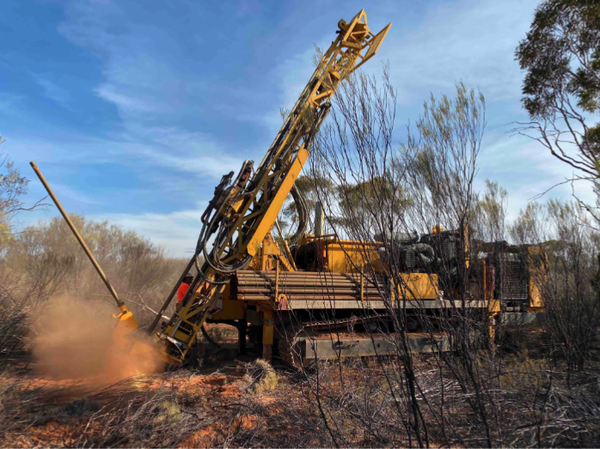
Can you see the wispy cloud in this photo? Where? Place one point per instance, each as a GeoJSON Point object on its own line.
{"type": "Point", "coordinates": [527, 170]}
{"type": "Point", "coordinates": [53, 90]}
{"type": "Point", "coordinates": [166, 106]}
{"type": "Point", "coordinates": [465, 40]}
{"type": "Point", "coordinates": [177, 232]}
{"type": "Point", "coordinates": [77, 197]}
{"type": "Point", "coordinates": [155, 93]}
{"type": "Point", "coordinates": [143, 77]}
{"type": "Point", "coordinates": [10, 104]}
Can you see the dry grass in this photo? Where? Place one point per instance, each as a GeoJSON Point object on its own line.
{"type": "Point", "coordinates": [259, 377]}
{"type": "Point", "coordinates": [350, 404]}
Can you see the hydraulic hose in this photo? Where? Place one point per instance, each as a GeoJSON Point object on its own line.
{"type": "Point", "coordinates": [208, 337]}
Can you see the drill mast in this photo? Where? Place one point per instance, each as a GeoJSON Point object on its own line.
{"type": "Point", "coordinates": [244, 210]}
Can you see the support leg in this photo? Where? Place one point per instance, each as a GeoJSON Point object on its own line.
{"type": "Point", "coordinates": [242, 337]}
{"type": "Point", "coordinates": [267, 338]}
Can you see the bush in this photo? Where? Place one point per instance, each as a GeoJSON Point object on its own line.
{"type": "Point", "coordinates": [260, 377]}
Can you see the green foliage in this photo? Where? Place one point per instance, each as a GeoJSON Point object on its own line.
{"type": "Point", "coordinates": [49, 251]}
{"type": "Point", "coordinates": [13, 187]}
{"type": "Point", "coordinates": [358, 201]}
{"type": "Point", "coordinates": [524, 229]}
{"type": "Point", "coordinates": [309, 186]}
{"type": "Point", "coordinates": [441, 161]}
{"type": "Point", "coordinates": [488, 217]}
{"type": "Point", "coordinates": [561, 55]}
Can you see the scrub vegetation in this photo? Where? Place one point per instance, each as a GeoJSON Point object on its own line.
{"type": "Point", "coordinates": [524, 384]}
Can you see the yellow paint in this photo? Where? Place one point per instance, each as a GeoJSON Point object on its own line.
{"type": "Point", "coordinates": [269, 247]}
{"type": "Point", "coordinates": [537, 263]}
{"type": "Point", "coordinates": [126, 324]}
{"type": "Point", "coordinates": [346, 256]}
{"type": "Point", "coordinates": [232, 310]}
{"type": "Point", "coordinates": [350, 257]}
{"type": "Point", "coordinates": [494, 306]}
{"type": "Point", "coordinates": [285, 159]}
{"type": "Point", "coordinates": [268, 333]}
{"type": "Point", "coordinates": [419, 286]}
{"type": "Point", "coordinates": [269, 217]}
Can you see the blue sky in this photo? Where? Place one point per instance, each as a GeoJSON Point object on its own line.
{"type": "Point", "coordinates": [135, 109]}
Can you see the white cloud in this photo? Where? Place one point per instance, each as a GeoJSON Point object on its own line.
{"type": "Point", "coordinates": [124, 102]}
{"type": "Point", "coordinates": [212, 166]}
{"type": "Point", "coordinates": [157, 96]}
{"type": "Point", "coordinates": [64, 192]}
{"type": "Point", "coordinates": [196, 156]}
{"type": "Point", "coordinates": [461, 40]}
{"type": "Point", "coordinates": [193, 152]}
{"type": "Point", "coordinates": [53, 90]}
{"type": "Point", "coordinates": [526, 170]}
{"type": "Point", "coordinates": [177, 232]}
{"type": "Point", "coordinates": [139, 80]}
{"type": "Point", "coordinates": [154, 93]}
{"type": "Point", "coordinates": [9, 104]}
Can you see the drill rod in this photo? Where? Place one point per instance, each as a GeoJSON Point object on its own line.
{"type": "Point", "coordinates": [77, 235]}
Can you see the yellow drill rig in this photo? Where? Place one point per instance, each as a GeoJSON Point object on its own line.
{"type": "Point", "coordinates": [247, 279]}
{"type": "Point", "coordinates": [244, 209]}
{"type": "Point", "coordinates": [243, 276]}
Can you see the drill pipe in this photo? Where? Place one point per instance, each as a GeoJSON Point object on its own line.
{"type": "Point", "coordinates": [77, 235]}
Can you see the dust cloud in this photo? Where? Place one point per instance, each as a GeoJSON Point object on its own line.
{"type": "Point", "coordinates": [72, 339]}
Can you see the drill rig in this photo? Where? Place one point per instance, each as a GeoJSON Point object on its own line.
{"type": "Point", "coordinates": [237, 222]}
{"type": "Point", "coordinates": [245, 278]}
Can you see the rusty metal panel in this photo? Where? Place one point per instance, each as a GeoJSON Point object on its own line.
{"type": "Point", "coordinates": [325, 348]}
